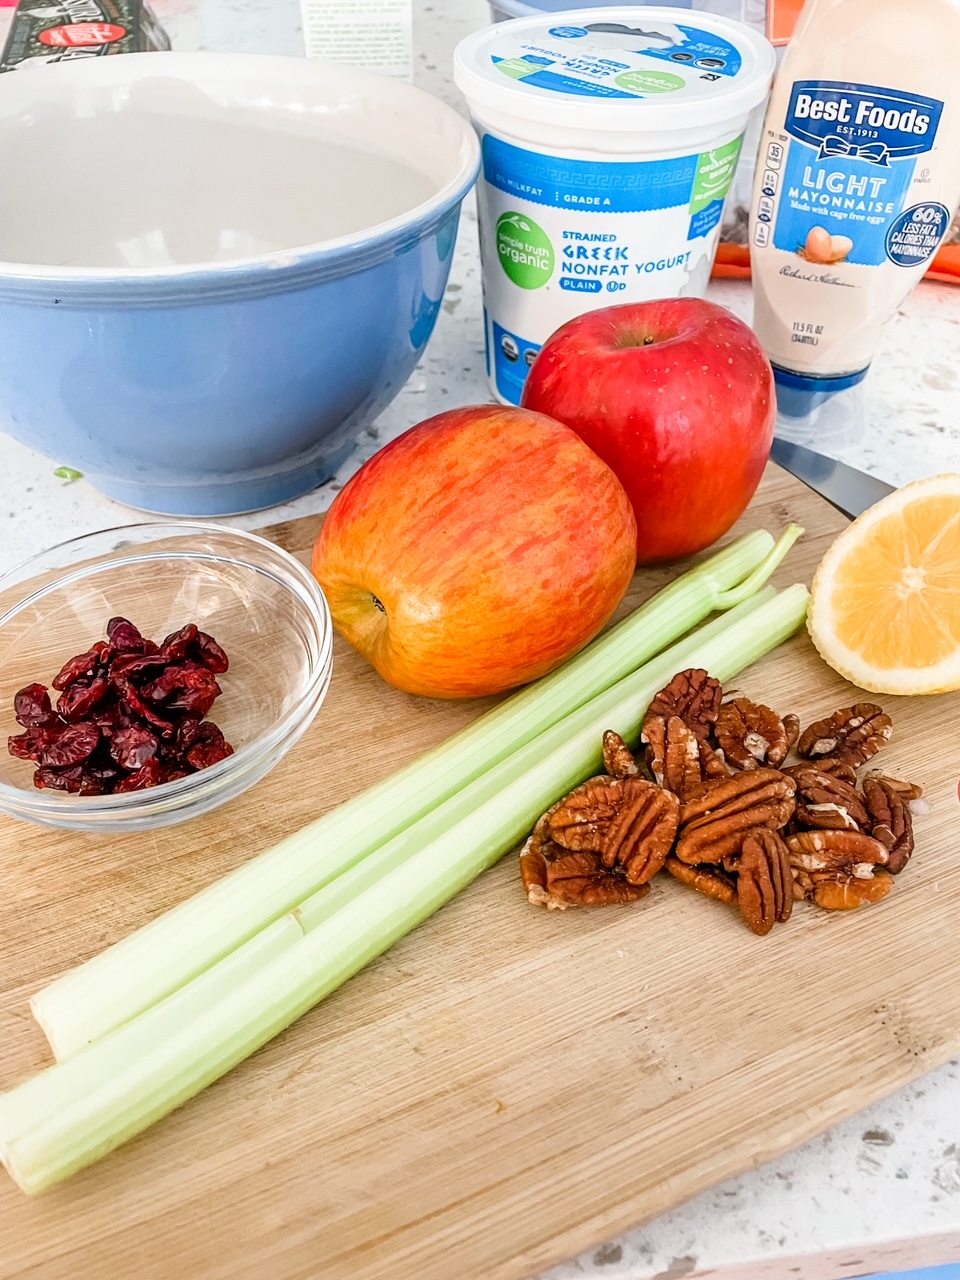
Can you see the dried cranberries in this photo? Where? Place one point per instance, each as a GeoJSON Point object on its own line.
{"type": "Point", "coordinates": [130, 714]}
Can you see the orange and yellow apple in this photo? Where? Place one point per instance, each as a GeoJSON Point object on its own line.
{"type": "Point", "coordinates": [476, 552]}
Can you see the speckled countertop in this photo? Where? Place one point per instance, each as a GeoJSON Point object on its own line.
{"type": "Point", "coordinates": [880, 1192]}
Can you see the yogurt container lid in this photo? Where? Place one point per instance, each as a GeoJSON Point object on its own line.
{"type": "Point", "coordinates": [527, 8]}
{"type": "Point", "coordinates": [617, 68]}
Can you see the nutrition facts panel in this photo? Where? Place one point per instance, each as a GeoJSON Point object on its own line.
{"type": "Point", "coordinates": [364, 33]}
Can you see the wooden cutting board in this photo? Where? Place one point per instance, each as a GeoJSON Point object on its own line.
{"type": "Point", "coordinates": [506, 1086]}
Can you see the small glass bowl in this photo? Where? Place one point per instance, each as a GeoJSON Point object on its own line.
{"type": "Point", "coordinates": [260, 604]}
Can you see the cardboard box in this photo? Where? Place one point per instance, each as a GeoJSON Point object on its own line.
{"type": "Point", "coordinates": [44, 31]}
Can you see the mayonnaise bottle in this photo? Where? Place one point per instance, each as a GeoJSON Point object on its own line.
{"type": "Point", "coordinates": [857, 178]}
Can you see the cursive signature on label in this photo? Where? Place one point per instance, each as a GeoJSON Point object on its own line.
{"type": "Point", "coordinates": [816, 277]}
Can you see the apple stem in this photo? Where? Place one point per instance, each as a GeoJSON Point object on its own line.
{"type": "Point", "coordinates": [743, 590]}
{"type": "Point", "coordinates": [638, 339]}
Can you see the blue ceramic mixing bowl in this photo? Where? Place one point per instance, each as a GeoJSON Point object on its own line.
{"type": "Point", "coordinates": [215, 268]}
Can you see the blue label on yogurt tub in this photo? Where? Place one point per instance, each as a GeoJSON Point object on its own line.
{"type": "Point", "coordinates": [704, 221]}
{"type": "Point", "coordinates": [602, 186]}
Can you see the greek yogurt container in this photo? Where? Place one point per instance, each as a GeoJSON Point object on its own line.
{"type": "Point", "coordinates": [610, 138]}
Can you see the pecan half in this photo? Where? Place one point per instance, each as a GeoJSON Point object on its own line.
{"type": "Point", "coordinates": [627, 823]}
{"type": "Point", "coordinates": [836, 768]}
{"type": "Point", "coordinates": [835, 851]}
{"type": "Point", "coordinates": [582, 880]}
{"type": "Point", "coordinates": [751, 734]}
{"type": "Point", "coordinates": [839, 870]}
{"type": "Point", "coordinates": [827, 815]}
{"type": "Point", "coordinates": [673, 755]}
{"type": "Point", "coordinates": [712, 826]}
{"type": "Point", "coordinates": [909, 790]}
{"type": "Point", "coordinates": [580, 820]}
{"type": "Point", "coordinates": [825, 800]}
{"type": "Point", "coordinates": [713, 881]}
{"type": "Point", "coordinates": [533, 869]}
{"type": "Point", "coordinates": [556, 879]}
{"type": "Point", "coordinates": [892, 821]}
{"type": "Point", "coordinates": [737, 792]}
{"type": "Point", "coordinates": [618, 759]}
{"type": "Point", "coordinates": [686, 763]}
{"type": "Point", "coordinates": [712, 762]}
{"type": "Point", "coordinates": [642, 834]}
{"type": "Point", "coordinates": [852, 734]}
{"type": "Point", "coordinates": [846, 894]}
{"type": "Point", "coordinates": [694, 696]}
{"type": "Point", "coordinates": [764, 881]}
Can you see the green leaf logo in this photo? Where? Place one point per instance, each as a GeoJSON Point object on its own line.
{"type": "Point", "coordinates": [524, 250]}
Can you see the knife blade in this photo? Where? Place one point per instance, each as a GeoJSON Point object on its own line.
{"type": "Point", "coordinates": [844, 487]}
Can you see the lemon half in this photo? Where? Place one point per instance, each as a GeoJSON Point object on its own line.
{"type": "Point", "coordinates": [885, 601]}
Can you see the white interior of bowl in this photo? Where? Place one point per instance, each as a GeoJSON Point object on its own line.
{"type": "Point", "coordinates": [169, 161]}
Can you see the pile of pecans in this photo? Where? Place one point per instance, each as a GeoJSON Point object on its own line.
{"type": "Point", "coordinates": [716, 805]}
{"type": "Point", "coordinates": [130, 715]}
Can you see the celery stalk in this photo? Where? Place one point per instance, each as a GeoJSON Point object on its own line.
{"type": "Point", "coordinates": [78, 1110]}
{"type": "Point", "coordinates": [246, 960]}
{"type": "Point", "coordinates": [633, 691]}
{"type": "Point", "coordinates": [108, 990]}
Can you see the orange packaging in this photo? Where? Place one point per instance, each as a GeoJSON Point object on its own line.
{"type": "Point", "coordinates": [782, 17]}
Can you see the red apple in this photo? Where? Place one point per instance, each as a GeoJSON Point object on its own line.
{"type": "Point", "coordinates": [677, 396]}
{"type": "Point", "coordinates": [476, 552]}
